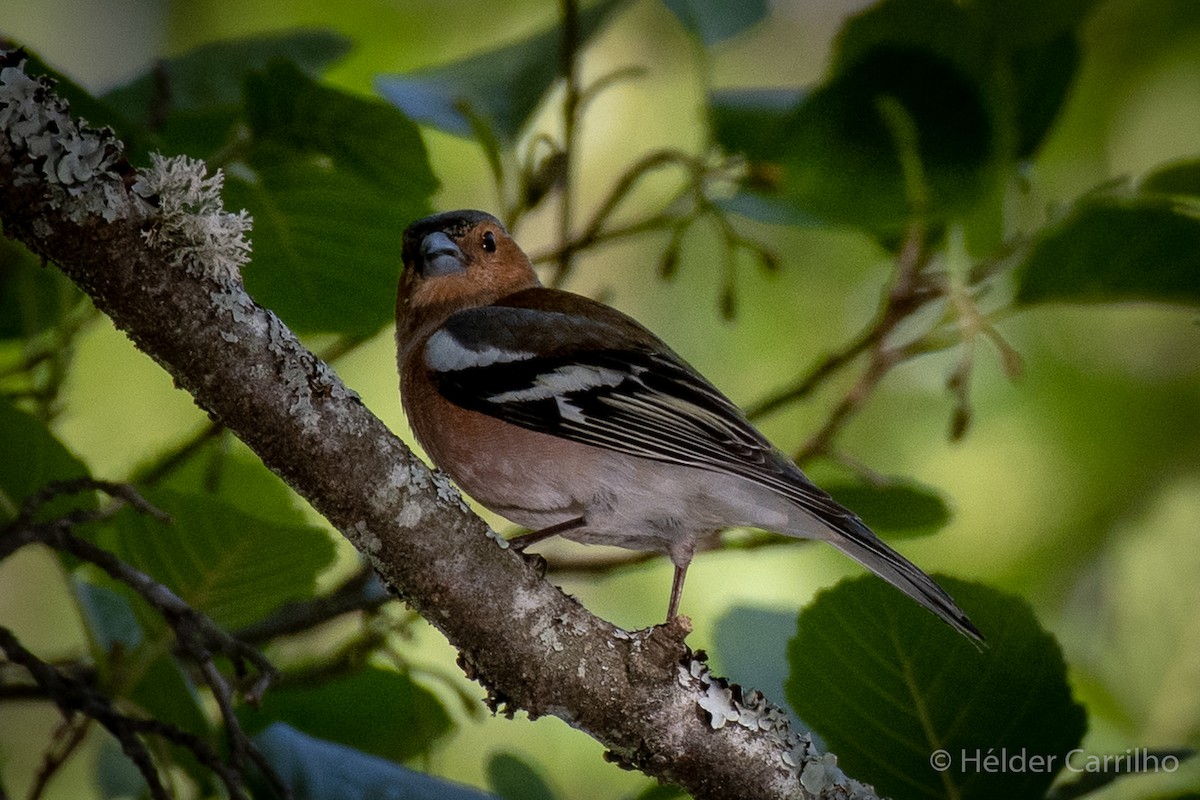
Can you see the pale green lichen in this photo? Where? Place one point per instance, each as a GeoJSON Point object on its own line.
{"type": "Point", "coordinates": [192, 225]}
{"type": "Point", "coordinates": [78, 165]}
{"type": "Point", "coordinates": [725, 703]}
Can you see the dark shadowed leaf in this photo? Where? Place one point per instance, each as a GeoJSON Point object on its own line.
{"type": "Point", "coordinates": [191, 103]}
{"type": "Point", "coordinates": [913, 708]}
{"type": "Point", "coordinates": [502, 86]}
{"type": "Point", "coordinates": [34, 458]}
{"type": "Point", "coordinates": [842, 157]}
{"type": "Point", "coordinates": [32, 297]}
{"type": "Point", "coordinates": [332, 181]}
{"type": "Point", "coordinates": [1111, 250]}
{"type": "Point", "coordinates": [325, 710]}
{"type": "Point", "coordinates": [514, 779]}
{"type": "Point", "coordinates": [1181, 178]}
{"type": "Point", "coordinates": [660, 791]}
{"type": "Point", "coordinates": [909, 86]}
{"type": "Point", "coordinates": [235, 567]}
{"type": "Point", "coordinates": [320, 770]}
{"type": "Point", "coordinates": [1022, 22]}
{"type": "Point", "coordinates": [752, 121]}
{"type": "Point", "coordinates": [212, 75]}
{"type": "Point", "coordinates": [1041, 76]}
{"type": "Point", "coordinates": [97, 112]}
{"type": "Point", "coordinates": [900, 509]}
{"type": "Point", "coordinates": [716, 20]}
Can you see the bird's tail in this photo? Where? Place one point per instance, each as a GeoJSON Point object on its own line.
{"type": "Point", "coordinates": [858, 541]}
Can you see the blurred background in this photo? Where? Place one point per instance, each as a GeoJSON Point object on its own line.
{"type": "Point", "coordinates": [1076, 487]}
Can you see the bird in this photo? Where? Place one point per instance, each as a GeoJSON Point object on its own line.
{"type": "Point", "coordinates": [570, 418]}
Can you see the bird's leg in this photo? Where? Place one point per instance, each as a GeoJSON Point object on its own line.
{"type": "Point", "coordinates": [676, 591]}
{"type": "Point", "coordinates": [519, 543]}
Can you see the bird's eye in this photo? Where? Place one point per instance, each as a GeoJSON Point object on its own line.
{"type": "Point", "coordinates": [489, 242]}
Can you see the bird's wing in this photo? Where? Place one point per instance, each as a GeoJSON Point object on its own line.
{"type": "Point", "coordinates": [577, 369]}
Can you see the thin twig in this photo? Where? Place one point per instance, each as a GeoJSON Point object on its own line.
{"type": "Point", "coordinates": [64, 742]}
{"type": "Point", "coordinates": [903, 298]}
{"type": "Point", "coordinates": [73, 697]}
{"type": "Point", "coordinates": [199, 639]}
{"type": "Point", "coordinates": [569, 68]}
{"type": "Point", "coordinates": [300, 617]}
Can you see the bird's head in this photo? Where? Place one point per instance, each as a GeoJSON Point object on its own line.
{"type": "Point", "coordinates": [458, 259]}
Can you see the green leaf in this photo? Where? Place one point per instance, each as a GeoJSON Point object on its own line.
{"type": "Point", "coordinates": [503, 86]}
{"type": "Point", "coordinates": [891, 689]}
{"type": "Point", "coordinates": [97, 112]}
{"type": "Point", "coordinates": [1023, 22]}
{"type": "Point", "coordinates": [1114, 250]}
{"type": "Point", "coordinates": [163, 691]}
{"type": "Point", "coordinates": [33, 458]}
{"type": "Point", "coordinates": [904, 123]}
{"type": "Point", "coordinates": [116, 775]}
{"type": "Point", "coordinates": [900, 509]}
{"type": "Point", "coordinates": [212, 75]}
{"type": "Point", "coordinates": [750, 647]}
{"type": "Point", "coordinates": [416, 716]}
{"type": "Point", "coordinates": [1041, 76]}
{"type": "Point", "coordinates": [233, 566]}
{"type": "Point", "coordinates": [715, 21]}
{"type": "Point", "coordinates": [514, 779]}
{"type": "Point", "coordinates": [332, 181]}
{"type": "Point", "coordinates": [227, 469]}
{"type": "Point", "coordinates": [660, 791]}
{"type": "Point", "coordinates": [191, 104]}
{"type": "Point", "coordinates": [1180, 179]}
{"type": "Point", "coordinates": [753, 121]}
{"type": "Point", "coordinates": [319, 770]}
{"type": "Point", "coordinates": [108, 616]}
{"type": "Point", "coordinates": [1089, 779]}
{"type": "Point", "coordinates": [32, 297]}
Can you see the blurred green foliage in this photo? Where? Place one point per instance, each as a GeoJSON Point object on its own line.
{"type": "Point", "coordinates": [1048, 155]}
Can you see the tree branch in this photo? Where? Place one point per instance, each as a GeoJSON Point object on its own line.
{"type": "Point", "coordinates": [179, 297]}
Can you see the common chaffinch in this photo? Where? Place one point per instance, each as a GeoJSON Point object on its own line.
{"type": "Point", "coordinates": [570, 418]}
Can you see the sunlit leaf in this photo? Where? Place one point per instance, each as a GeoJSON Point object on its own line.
{"type": "Point", "coordinates": [717, 20]}
{"type": "Point", "coordinates": [34, 458]}
{"type": "Point", "coordinates": [320, 770]}
{"type": "Point", "coordinates": [322, 710]}
{"type": "Point", "coordinates": [914, 709]}
{"type": "Point", "coordinates": [233, 566]}
{"type": "Point", "coordinates": [503, 85]}
{"type": "Point", "coordinates": [1113, 250]}
{"type": "Point", "coordinates": [333, 180]}
{"type": "Point", "coordinates": [514, 779]}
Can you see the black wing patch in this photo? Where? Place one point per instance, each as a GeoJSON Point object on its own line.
{"type": "Point", "coordinates": [629, 400]}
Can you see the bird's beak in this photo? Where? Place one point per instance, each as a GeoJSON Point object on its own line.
{"type": "Point", "coordinates": [440, 256]}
